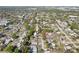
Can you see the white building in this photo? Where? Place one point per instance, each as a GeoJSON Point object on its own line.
{"type": "Point", "coordinates": [72, 17]}
{"type": "Point", "coordinates": [3, 21]}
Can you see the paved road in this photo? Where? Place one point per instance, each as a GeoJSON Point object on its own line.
{"type": "Point", "coordinates": [66, 35]}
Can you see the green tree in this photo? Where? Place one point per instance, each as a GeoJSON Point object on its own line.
{"type": "Point", "coordinates": [9, 48]}
{"type": "Point", "coordinates": [74, 26]}
{"type": "Point", "coordinates": [14, 36]}
{"type": "Point", "coordinates": [25, 45]}
{"type": "Point", "coordinates": [16, 50]}
{"type": "Point", "coordinates": [26, 24]}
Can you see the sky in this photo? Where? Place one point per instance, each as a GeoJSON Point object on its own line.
{"type": "Point", "coordinates": [39, 3]}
